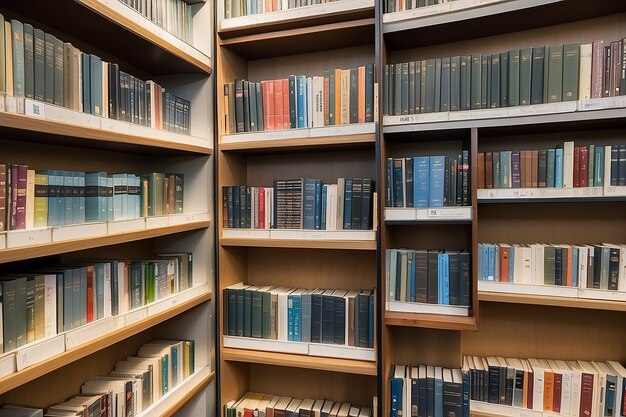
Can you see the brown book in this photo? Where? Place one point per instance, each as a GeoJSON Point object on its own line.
{"type": "Point", "coordinates": [361, 94]}
{"type": "Point", "coordinates": [583, 173]}
{"type": "Point", "coordinates": [577, 166]}
{"type": "Point", "coordinates": [481, 170]}
{"type": "Point", "coordinates": [345, 96]}
{"type": "Point", "coordinates": [597, 69]}
{"type": "Point", "coordinates": [326, 98]}
{"type": "Point", "coordinates": [278, 104]}
{"type": "Point", "coordinates": [488, 170]}
{"type": "Point", "coordinates": [522, 168]}
{"type": "Point", "coordinates": [338, 97]}
{"type": "Point", "coordinates": [616, 64]}
{"type": "Point", "coordinates": [351, 300]}
{"type": "Point", "coordinates": [529, 169]}
{"type": "Point", "coordinates": [534, 168]}
{"type": "Point", "coordinates": [3, 197]}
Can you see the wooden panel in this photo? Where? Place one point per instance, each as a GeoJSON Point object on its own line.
{"type": "Point", "coordinates": [408, 148]}
{"type": "Point", "coordinates": [301, 244]}
{"type": "Point", "coordinates": [229, 66]}
{"type": "Point", "coordinates": [431, 236]}
{"type": "Point", "coordinates": [351, 270]}
{"type": "Point", "coordinates": [234, 382]}
{"type": "Point", "coordinates": [546, 300]}
{"type": "Point", "coordinates": [303, 383]}
{"type": "Point", "coordinates": [426, 346]}
{"type": "Point", "coordinates": [430, 321]}
{"type": "Point", "coordinates": [522, 331]}
{"type": "Point", "coordinates": [544, 140]}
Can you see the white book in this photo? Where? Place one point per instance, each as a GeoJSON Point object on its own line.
{"type": "Point", "coordinates": [526, 255]}
{"type": "Point", "coordinates": [392, 266]}
{"type": "Point", "coordinates": [50, 305]}
{"type": "Point", "coordinates": [568, 164]}
{"type": "Point", "coordinates": [621, 284]}
{"type": "Point", "coordinates": [566, 386]}
{"type": "Point", "coordinates": [582, 266]}
{"type": "Point", "coordinates": [157, 375]}
{"type": "Point", "coordinates": [537, 263]}
{"type": "Point", "coordinates": [107, 290]}
{"type": "Point", "coordinates": [601, 392]}
{"type": "Point", "coordinates": [538, 373]}
{"type": "Point", "coordinates": [282, 313]}
{"type": "Point", "coordinates": [576, 388]}
{"type": "Point", "coordinates": [341, 187]}
{"type": "Point", "coordinates": [584, 85]}
{"type": "Point", "coordinates": [330, 201]}
{"type": "Point", "coordinates": [30, 199]}
{"type": "Point", "coordinates": [117, 388]}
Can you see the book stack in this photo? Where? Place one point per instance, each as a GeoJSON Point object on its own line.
{"type": "Point", "coordinates": [175, 16]}
{"type": "Point", "coordinates": [336, 317]}
{"type": "Point", "coordinates": [392, 6]}
{"type": "Point", "coordinates": [600, 266]}
{"type": "Point", "coordinates": [340, 96]}
{"type": "Point", "coordinates": [520, 77]}
{"type": "Point", "coordinates": [566, 388]}
{"type": "Point", "coordinates": [9, 410]}
{"type": "Point", "coordinates": [41, 198]}
{"type": "Point", "coordinates": [300, 204]}
{"type": "Point", "coordinates": [428, 181]}
{"type": "Point", "coordinates": [50, 301]}
{"type": "Point", "coordinates": [268, 405]}
{"type": "Point", "coordinates": [39, 66]}
{"type": "Point", "coordinates": [433, 277]}
{"type": "Point", "coordinates": [236, 8]}
{"type": "Point", "coordinates": [566, 166]}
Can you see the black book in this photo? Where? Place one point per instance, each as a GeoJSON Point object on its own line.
{"type": "Point", "coordinates": [466, 178]}
{"type": "Point", "coordinates": [445, 84]}
{"type": "Point", "coordinates": [122, 105]}
{"type": "Point", "coordinates": [354, 95]}
{"type": "Point", "coordinates": [614, 164]}
{"type": "Point", "coordinates": [430, 391]}
{"type": "Point", "coordinates": [614, 256]}
{"type": "Point", "coordinates": [242, 207]}
{"type": "Point", "coordinates": [459, 180]}
{"type": "Point", "coordinates": [621, 170]}
{"type": "Point", "coordinates": [248, 224]}
{"type": "Point", "coordinates": [423, 87]}
{"type": "Point", "coordinates": [536, 78]}
{"type": "Point", "coordinates": [421, 276]}
{"type": "Point", "coordinates": [29, 61]}
{"type": "Point", "coordinates": [494, 382]}
{"type": "Point", "coordinates": [259, 106]}
{"type": "Point", "coordinates": [49, 69]}
{"type": "Point", "coordinates": [230, 296]}
{"type": "Point", "coordinates": [437, 85]}
{"type": "Point", "coordinates": [485, 81]}
{"type": "Point", "coordinates": [422, 396]}
{"type": "Point", "coordinates": [466, 82]}
{"type": "Point", "coordinates": [246, 106]}
{"type": "Point", "coordinates": [293, 109]}
{"type": "Point", "coordinates": [429, 104]}
{"type": "Point", "coordinates": [328, 318]}
{"type": "Point", "coordinates": [369, 93]}
{"type": "Point", "coordinates": [387, 91]}
{"type": "Point", "coordinates": [454, 266]}
{"type": "Point", "coordinates": [433, 278]}
{"type": "Point", "coordinates": [408, 179]}
{"type": "Point", "coordinates": [397, 90]}
{"type": "Point", "coordinates": [504, 79]}
{"type": "Point", "coordinates": [316, 318]}
{"type": "Point", "coordinates": [238, 106]}
{"type": "Point", "coordinates": [464, 288]}
{"type": "Point", "coordinates": [446, 181]}
{"type": "Point", "coordinates": [542, 169]}
{"type": "Point", "coordinates": [236, 207]}
{"type": "Point", "coordinates": [452, 393]}
{"type": "Point", "coordinates": [114, 90]}
{"type": "Point", "coordinates": [252, 103]}
{"type": "Point", "coordinates": [357, 185]}
{"type": "Point", "coordinates": [247, 312]}
{"type": "Point", "coordinates": [494, 88]}
{"type": "Point", "coordinates": [39, 64]}
{"type": "Point", "coordinates": [240, 302]}
{"type": "Point", "coordinates": [366, 204]}
{"type": "Point", "coordinates": [476, 81]}
{"type": "Point", "coordinates": [411, 87]}
{"type": "Point", "coordinates": [558, 265]}
{"type": "Point", "coordinates": [405, 92]}
{"type": "Point", "coordinates": [455, 83]}
{"type": "Point", "coordinates": [58, 72]}
{"type": "Point", "coordinates": [453, 177]}
{"type": "Point", "coordinates": [230, 209]}
{"type": "Point", "coordinates": [502, 385]}
{"type": "Point", "coordinates": [510, 382]}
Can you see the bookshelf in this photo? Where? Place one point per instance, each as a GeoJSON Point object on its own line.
{"type": "Point", "coordinates": [46, 136]}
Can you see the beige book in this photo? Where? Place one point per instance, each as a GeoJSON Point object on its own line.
{"type": "Point", "coordinates": [30, 199]}
{"type": "Point", "coordinates": [2, 58]}
{"type": "Point", "coordinates": [8, 48]}
{"type": "Point", "coordinates": [584, 86]}
{"type": "Point", "coordinates": [345, 96]}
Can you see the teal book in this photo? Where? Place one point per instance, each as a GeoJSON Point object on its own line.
{"type": "Point", "coordinates": [118, 200]}
{"type": "Point", "coordinates": [95, 78]}
{"type": "Point", "coordinates": [591, 165]}
{"type": "Point", "coordinates": [257, 314]}
{"type": "Point", "coordinates": [437, 171]}
{"type": "Point", "coordinates": [514, 77]}
{"type": "Point", "coordinates": [443, 279]}
{"type": "Point", "coordinates": [17, 35]}
{"type": "Point", "coordinates": [39, 64]}
{"type": "Point", "coordinates": [497, 179]}
{"type": "Point", "coordinates": [68, 184]}
{"type": "Point", "coordinates": [95, 197]}
{"type": "Point", "coordinates": [551, 172]}
{"type": "Point", "coordinates": [109, 197]}
{"type": "Point", "coordinates": [20, 312]}
{"type": "Point", "coordinates": [525, 75]}
{"type": "Point", "coordinates": [29, 61]}
{"type": "Point", "coordinates": [598, 180]}
{"type": "Point", "coordinates": [505, 169]}
{"type": "Point", "coordinates": [48, 68]}
{"type": "Point", "coordinates": [558, 168]}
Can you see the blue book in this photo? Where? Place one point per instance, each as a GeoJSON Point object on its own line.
{"type": "Point", "coordinates": [308, 204]}
{"type": "Point", "coordinates": [609, 403]}
{"type": "Point", "coordinates": [109, 197]}
{"type": "Point", "coordinates": [347, 205]}
{"type": "Point", "coordinates": [301, 100]}
{"type": "Point", "coordinates": [558, 168]}
{"type": "Point", "coordinates": [397, 398]}
{"type": "Point", "coordinates": [412, 276]}
{"type": "Point", "coordinates": [118, 200]}
{"type": "Point", "coordinates": [165, 373]}
{"type": "Point", "coordinates": [437, 164]}
{"type": "Point", "coordinates": [485, 261]}
{"type": "Point", "coordinates": [389, 195]}
{"type": "Point", "coordinates": [68, 184]}
{"type": "Point", "coordinates": [511, 262]}
{"type": "Point", "coordinates": [598, 168]}
{"type": "Point", "coordinates": [466, 393]}
{"type": "Point", "coordinates": [290, 318]}
{"type": "Point", "coordinates": [324, 205]}
{"type": "Point", "coordinates": [491, 274]}
{"type": "Point", "coordinates": [306, 317]}
{"type": "Point", "coordinates": [421, 181]}
{"type": "Point", "coordinates": [480, 261]}
{"type": "Point", "coordinates": [125, 200]}
{"type": "Point", "coordinates": [86, 70]}
{"type": "Point", "coordinates": [81, 197]}
{"type": "Point", "coordinates": [96, 85]}
{"type": "Point", "coordinates": [297, 317]}
{"type": "Point", "coordinates": [438, 392]}
{"type": "Point", "coordinates": [574, 267]}
{"type": "Point", "coordinates": [318, 204]}
{"type": "Point", "coordinates": [444, 279]}
{"type": "Point", "coordinates": [398, 183]}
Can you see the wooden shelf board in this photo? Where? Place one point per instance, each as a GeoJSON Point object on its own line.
{"type": "Point", "coordinates": [195, 390]}
{"type": "Point", "coordinates": [28, 374]}
{"type": "Point", "coordinates": [548, 300]}
{"type": "Point", "coordinates": [432, 321]}
{"type": "Point", "coordinates": [303, 40]}
{"type": "Point", "coordinates": [314, 15]}
{"type": "Point", "coordinates": [300, 361]}
{"type": "Point", "coordinates": [54, 248]}
{"type": "Point", "coordinates": [300, 244]}
{"type": "Point", "coordinates": [42, 131]}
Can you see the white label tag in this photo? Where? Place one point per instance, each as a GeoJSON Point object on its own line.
{"type": "Point", "coordinates": [35, 109]}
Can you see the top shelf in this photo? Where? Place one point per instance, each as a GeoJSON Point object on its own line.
{"type": "Point", "coordinates": [114, 27]}
{"type": "Point", "coordinates": [467, 19]}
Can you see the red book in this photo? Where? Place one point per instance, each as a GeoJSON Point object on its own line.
{"type": "Point", "coordinates": [261, 212]}
{"type": "Point", "coordinates": [531, 387]}
{"type": "Point", "coordinates": [278, 104]}
{"type": "Point", "coordinates": [18, 191]}
{"type": "Point", "coordinates": [504, 264]}
{"type": "Point", "coordinates": [267, 107]}
{"type": "Point", "coordinates": [597, 71]}
{"type": "Point", "coordinates": [286, 123]}
{"type": "Point", "coordinates": [586, 395]}
{"type": "Point", "coordinates": [584, 167]}
{"type": "Point", "coordinates": [558, 384]}
{"type": "Point", "coordinates": [90, 283]}
{"type": "Point", "coordinates": [577, 166]}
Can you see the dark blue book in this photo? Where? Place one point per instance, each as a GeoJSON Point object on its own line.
{"type": "Point", "coordinates": [230, 206]}
{"type": "Point", "coordinates": [558, 265]}
{"type": "Point", "coordinates": [464, 287]}
{"type": "Point", "coordinates": [397, 392]}
{"type": "Point", "coordinates": [430, 391]}
{"type": "Point", "coordinates": [362, 308]}
{"type": "Point", "coordinates": [389, 197]}
{"type": "Point", "coordinates": [454, 268]}
{"type": "Point", "coordinates": [301, 101]}
{"type": "Point", "coordinates": [370, 333]}
{"type": "Point", "coordinates": [422, 398]}
{"type": "Point", "coordinates": [293, 102]}
{"type": "Point", "coordinates": [347, 205]}
{"type": "Point", "coordinates": [340, 317]}
{"type": "Point", "coordinates": [366, 204]}
{"type": "Point", "coordinates": [308, 209]}
{"type": "Point", "coordinates": [318, 204]}
{"type": "Point", "coordinates": [437, 174]}
{"type": "Point", "coordinates": [324, 207]}
{"type": "Point", "coordinates": [248, 207]}
{"type": "Point", "coordinates": [466, 378]}
{"type": "Point", "coordinates": [236, 207]}
{"type": "Point", "coordinates": [316, 317]}
{"type": "Point", "coordinates": [438, 408]}
{"type": "Point", "coordinates": [411, 271]}
{"type": "Point", "coordinates": [398, 182]}
{"type": "Point", "coordinates": [408, 183]}
{"type": "Point", "coordinates": [433, 277]}
{"type": "Point", "coordinates": [357, 187]}
{"type": "Point", "coordinates": [328, 317]}
{"type": "Point", "coordinates": [421, 181]}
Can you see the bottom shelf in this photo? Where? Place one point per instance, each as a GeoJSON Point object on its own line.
{"type": "Point", "coordinates": [483, 409]}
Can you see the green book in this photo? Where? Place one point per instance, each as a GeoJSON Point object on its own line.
{"type": "Point", "coordinates": [445, 84]}
{"type": "Point", "coordinates": [476, 84]}
{"type": "Point", "coordinates": [429, 105]}
{"type": "Point", "coordinates": [3, 62]}
{"type": "Point", "coordinates": [549, 264]}
{"type": "Point", "coordinates": [555, 74]}
{"type": "Point", "coordinates": [513, 77]}
{"type": "Point", "coordinates": [9, 316]}
{"type": "Point", "coordinates": [423, 88]}
{"type": "Point", "coordinates": [49, 68]}
{"type": "Point", "coordinates": [438, 85]}
{"type": "Point", "coordinates": [257, 314]}
{"type": "Point", "coordinates": [494, 87]}
{"type": "Point", "coordinates": [397, 90]}
{"type": "Point", "coordinates": [571, 61]}
{"type": "Point", "coordinates": [58, 72]}
{"type": "Point", "coordinates": [497, 179]}
{"type": "Point", "coordinates": [546, 72]}
{"type": "Point", "coordinates": [598, 168]}
{"type": "Point", "coordinates": [411, 87]}
{"type": "Point", "coordinates": [404, 88]}
{"type": "Point", "coordinates": [41, 199]}
{"type": "Point", "coordinates": [485, 81]}
{"type": "Point", "coordinates": [20, 312]}
{"type": "Point", "coordinates": [331, 98]}
{"type": "Point", "coordinates": [17, 34]}
{"type": "Point", "coordinates": [550, 168]}
{"type": "Point", "coordinates": [418, 87]}
{"type": "Point", "coordinates": [525, 72]}
{"type": "Point", "coordinates": [29, 61]}
{"type": "Point", "coordinates": [504, 79]}
{"type": "Point", "coordinates": [536, 80]}
{"type": "Point", "coordinates": [455, 83]}
{"type": "Point", "coordinates": [40, 64]}
{"type": "Point", "coordinates": [466, 82]}
{"type": "Point", "coordinates": [150, 282]}
{"type": "Point", "coordinates": [266, 324]}
{"type": "Point", "coordinates": [505, 169]}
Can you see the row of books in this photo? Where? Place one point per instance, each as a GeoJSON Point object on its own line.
{"type": "Point", "coordinates": [264, 405]}
{"type": "Point", "coordinates": [340, 96]}
{"type": "Point", "coordinates": [579, 266]}
{"type": "Point", "coordinates": [175, 16]}
{"type": "Point", "coordinates": [237, 8]}
{"type": "Point", "coordinates": [566, 166]}
{"type": "Point", "coordinates": [567, 388]}
{"type": "Point", "coordinates": [300, 315]}
{"type": "Point", "coordinates": [48, 301]}
{"type": "Point", "coordinates": [300, 204]}
{"type": "Point", "coordinates": [392, 6]}
{"type": "Point", "coordinates": [130, 388]}
{"type": "Point", "coordinates": [40, 198]}
{"type": "Point", "coordinates": [527, 76]}
{"type": "Point", "coordinates": [39, 66]}
{"type": "Point", "coordinates": [433, 277]}
{"type": "Point", "coordinates": [428, 181]}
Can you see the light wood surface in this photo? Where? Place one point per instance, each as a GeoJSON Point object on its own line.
{"type": "Point", "coordinates": [301, 244]}
{"type": "Point", "coordinates": [547, 300]}
{"type": "Point", "coordinates": [69, 356]}
{"type": "Point", "coordinates": [432, 321]}
{"type": "Point", "coordinates": [306, 144]}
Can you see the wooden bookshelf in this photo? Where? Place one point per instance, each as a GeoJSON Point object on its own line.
{"type": "Point", "coordinates": [555, 301]}
{"type": "Point", "coordinates": [431, 321]}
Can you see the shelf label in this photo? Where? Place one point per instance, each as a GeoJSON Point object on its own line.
{"type": "Point", "coordinates": [35, 109]}
{"type": "Point", "coordinates": [448, 213]}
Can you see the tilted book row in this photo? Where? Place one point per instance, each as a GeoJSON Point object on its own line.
{"type": "Point", "coordinates": [175, 16]}
{"type": "Point", "coordinates": [566, 166]}
{"type": "Point", "coordinates": [433, 277]}
{"type": "Point", "coordinates": [236, 8]}
{"type": "Point", "coordinates": [519, 77]}
{"type": "Point", "coordinates": [263, 405]}
{"type": "Point", "coordinates": [49, 301]}
{"type": "Point", "coordinates": [338, 97]}
{"type": "Point", "coordinates": [337, 317]}
{"type": "Point", "coordinates": [578, 266]}
{"type": "Point", "coordinates": [37, 65]}
{"type": "Point", "coordinates": [300, 204]}
{"type": "Point", "coordinates": [567, 388]}
{"type": "Point", "coordinates": [130, 388]}
{"type": "Point", "coordinates": [40, 198]}
{"type": "Point", "coordinates": [392, 6]}
{"type": "Point", "coordinates": [428, 181]}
